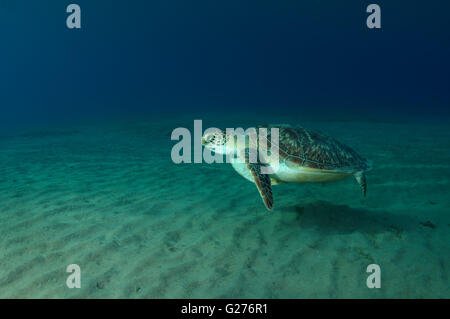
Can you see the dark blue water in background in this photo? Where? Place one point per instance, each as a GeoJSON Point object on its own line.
{"type": "Point", "coordinates": [134, 58]}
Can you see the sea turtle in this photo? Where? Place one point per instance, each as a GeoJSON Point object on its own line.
{"type": "Point", "coordinates": [305, 156]}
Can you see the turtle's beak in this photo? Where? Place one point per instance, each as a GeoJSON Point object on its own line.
{"type": "Point", "coordinates": [203, 141]}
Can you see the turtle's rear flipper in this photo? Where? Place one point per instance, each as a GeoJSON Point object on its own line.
{"type": "Point", "coordinates": [361, 179]}
{"type": "Point", "coordinates": [262, 181]}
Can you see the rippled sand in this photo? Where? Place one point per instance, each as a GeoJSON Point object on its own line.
{"type": "Point", "coordinates": [109, 199]}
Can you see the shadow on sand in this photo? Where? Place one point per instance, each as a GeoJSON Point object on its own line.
{"type": "Point", "coordinates": [342, 219]}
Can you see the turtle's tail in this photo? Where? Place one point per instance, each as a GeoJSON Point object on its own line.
{"type": "Point", "coordinates": [361, 179]}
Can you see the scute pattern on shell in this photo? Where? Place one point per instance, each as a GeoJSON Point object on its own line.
{"type": "Point", "coordinates": [299, 146]}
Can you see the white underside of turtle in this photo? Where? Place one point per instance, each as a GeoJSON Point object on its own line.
{"type": "Point", "coordinates": [286, 174]}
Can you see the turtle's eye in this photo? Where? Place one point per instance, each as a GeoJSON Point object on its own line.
{"type": "Point", "coordinates": [210, 138]}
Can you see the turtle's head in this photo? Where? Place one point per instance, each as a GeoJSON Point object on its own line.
{"type": "Point", "coordinates": [215, 140]}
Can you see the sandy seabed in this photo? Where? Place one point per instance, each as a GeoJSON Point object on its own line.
{"type": "Point", "coordinates": [109, 199]}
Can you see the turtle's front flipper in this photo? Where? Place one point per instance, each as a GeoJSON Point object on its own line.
{"type": "Point", "coordinates": [262, 181]}
{"type": "Point", "coordinates": [361, 179]}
